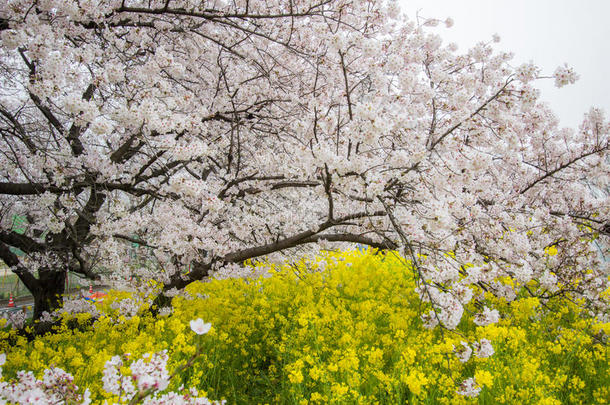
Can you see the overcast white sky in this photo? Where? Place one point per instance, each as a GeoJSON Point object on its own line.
{"type": "Point", "coordinates": [548, 32]}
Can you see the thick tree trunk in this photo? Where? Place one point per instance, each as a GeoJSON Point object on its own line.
{"type": "Point", "coordinates": [49, 295]}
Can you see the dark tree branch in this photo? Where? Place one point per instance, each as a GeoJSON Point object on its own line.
{"type": "Point", "coordinates": [347, 90]}
{"type": "Point", "coordinates": [294, 240]}
{"type": "Point", "coordinates": [19, 129]}
{"type": "Point", "coordinates": [76, 130]}
{"type": "Point", "coordinates": [134, 240]}
{"type": "Point", "coordinates": [25, 243]}
{"type": "Point", "coordinates": [352, 238]}
{"type": "Point", "coordinates": [201, 270]}
{"type": "Point", "coordinates": [118, 155]}
{"type": "Point", "coordinates": [37, 102]}
{"type": "Point", "coordinates": [26, 188]}
{"type": "Point", "coordinates": [329, 194]}
{"type": "Point", "coordinates": [211, 14]}
{"type": "Point", "coordinates": [481, 107]}
{"type": "Point", "coordinates": [561, 167]}
{"type": "Point", "coordinates": [11, 260]}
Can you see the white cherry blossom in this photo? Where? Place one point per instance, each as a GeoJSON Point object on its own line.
{"type": "Point", "coordinates": [200, 327]}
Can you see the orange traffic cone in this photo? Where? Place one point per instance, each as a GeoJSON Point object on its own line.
{"type": "Point", "coordinates": [90, 289]}
{"type": "Point", "coordinates": [11, 303]}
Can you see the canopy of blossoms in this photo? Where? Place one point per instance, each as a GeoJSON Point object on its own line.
{"type": "Point", "coordinates": [214, 132]}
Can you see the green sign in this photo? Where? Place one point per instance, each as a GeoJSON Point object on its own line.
{"type": "Point", "coordinates": [20, 222]}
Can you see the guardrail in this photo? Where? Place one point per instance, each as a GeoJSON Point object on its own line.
{"type": "Point", "coordinates": [10, 284]}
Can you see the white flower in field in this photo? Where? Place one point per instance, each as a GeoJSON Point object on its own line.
{"type": "Point", "coordinates": [86, 397]}
{"type": "Point", "coordinates": [483, 348]}
{"type": "Point", "coordinates": [199, 327]}
{"type": "Point", "coordinates": [464, 352]}
{"type": "Point", "coordinates": [2, 359]}
{"type": "Point", "coordinates": [469, 388]}
{"type": "Point", "coordinates": [487, 317]}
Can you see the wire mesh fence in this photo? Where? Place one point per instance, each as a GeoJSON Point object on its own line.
{"type": "Point", "coordinates": [10, 284]}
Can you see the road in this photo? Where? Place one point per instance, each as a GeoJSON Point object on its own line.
{"type": "Point", "coordinates": [25, 302]}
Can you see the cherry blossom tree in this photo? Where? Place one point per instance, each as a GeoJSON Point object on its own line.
{"type": "Point", "coordinates": [214, 132]}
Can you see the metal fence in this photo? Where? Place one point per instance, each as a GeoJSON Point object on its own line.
{"type": "Point", "coordinates": [10, 284]}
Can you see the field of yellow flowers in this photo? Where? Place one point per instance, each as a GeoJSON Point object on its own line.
{"type": "Point", "coordinates": [348, 334]}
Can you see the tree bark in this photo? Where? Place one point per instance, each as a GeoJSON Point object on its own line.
{"type": "Point", "coordinates": [48, 295]}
